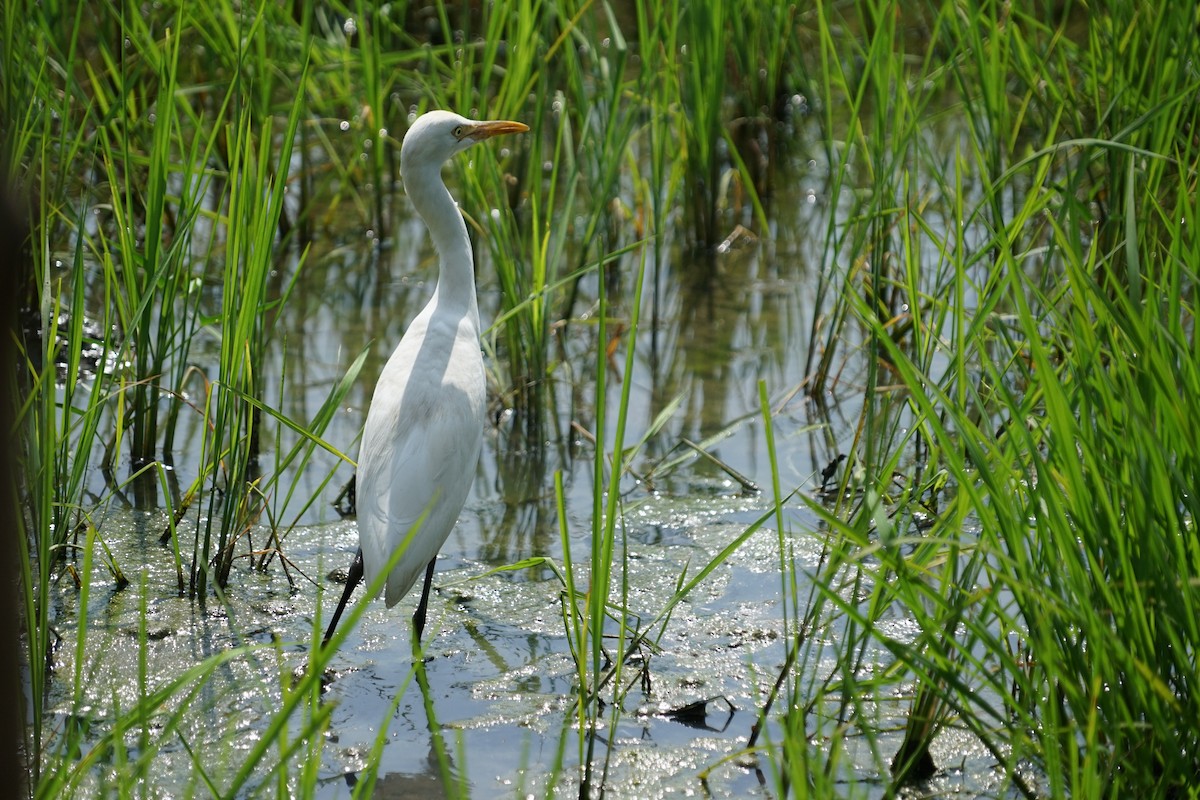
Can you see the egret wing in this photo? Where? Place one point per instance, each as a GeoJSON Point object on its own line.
{"type": "Point", "coordinates": [412, 492]}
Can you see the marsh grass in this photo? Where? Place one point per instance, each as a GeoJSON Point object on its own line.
{"type": "Point", "coordinates": [1040, 362]}
{"type": "Point", "coordinates": [178, 182]}
{"type": "Point", "coordinates": [254, 204]}
{"type": "Point", "coordinates": [1016, 315]}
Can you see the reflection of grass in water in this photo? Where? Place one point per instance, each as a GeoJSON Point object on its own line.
{"type": "Point", "coordinates": [1025, 302]}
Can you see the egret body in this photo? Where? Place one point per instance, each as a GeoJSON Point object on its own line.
{"type": "Point", "coordinates": [424, 429]}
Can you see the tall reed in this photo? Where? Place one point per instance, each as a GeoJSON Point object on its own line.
{"type": "Point", "coordinates": [122, 155]}
{"type": "Point", "coordinates": [1029, 509]}
{"type": "Point", "coordinates": [255, 188]}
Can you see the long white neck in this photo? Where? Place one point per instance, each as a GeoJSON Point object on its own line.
{"type": "Point", "coordinates": [455, 290]}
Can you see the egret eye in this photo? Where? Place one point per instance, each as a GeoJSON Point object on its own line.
{"type": "Point", "coordinates": [459, 131]}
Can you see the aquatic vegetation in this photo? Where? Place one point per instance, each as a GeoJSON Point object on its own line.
{"type": "Point", "coordinates": [934, 268]}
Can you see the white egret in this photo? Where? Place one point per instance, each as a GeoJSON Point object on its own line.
{"type": "Point", "coordinates": [424, 428]}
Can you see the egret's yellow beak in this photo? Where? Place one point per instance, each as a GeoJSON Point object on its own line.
{"type": "Point", "coordinates": [486, 130]}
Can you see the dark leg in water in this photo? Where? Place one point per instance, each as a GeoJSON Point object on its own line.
{"type": "Point", "coordinates": [353, 579]}
{"type": "Point", "coordinates": [423, 606]}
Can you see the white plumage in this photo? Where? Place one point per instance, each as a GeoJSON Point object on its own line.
{"type": "Point", "coordinates": [424, 429]}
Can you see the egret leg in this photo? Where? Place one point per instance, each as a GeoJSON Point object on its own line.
{"type": "Point", "coordinates": [353, 579]}
{"type": "Point", "coordinates": [423, 606]}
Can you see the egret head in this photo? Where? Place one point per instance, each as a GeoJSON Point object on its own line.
{"type": "Point", "coordinates": [437, 136]}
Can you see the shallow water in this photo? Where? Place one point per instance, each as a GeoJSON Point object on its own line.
{"type": "Point", "coordinates": [499, 673]}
